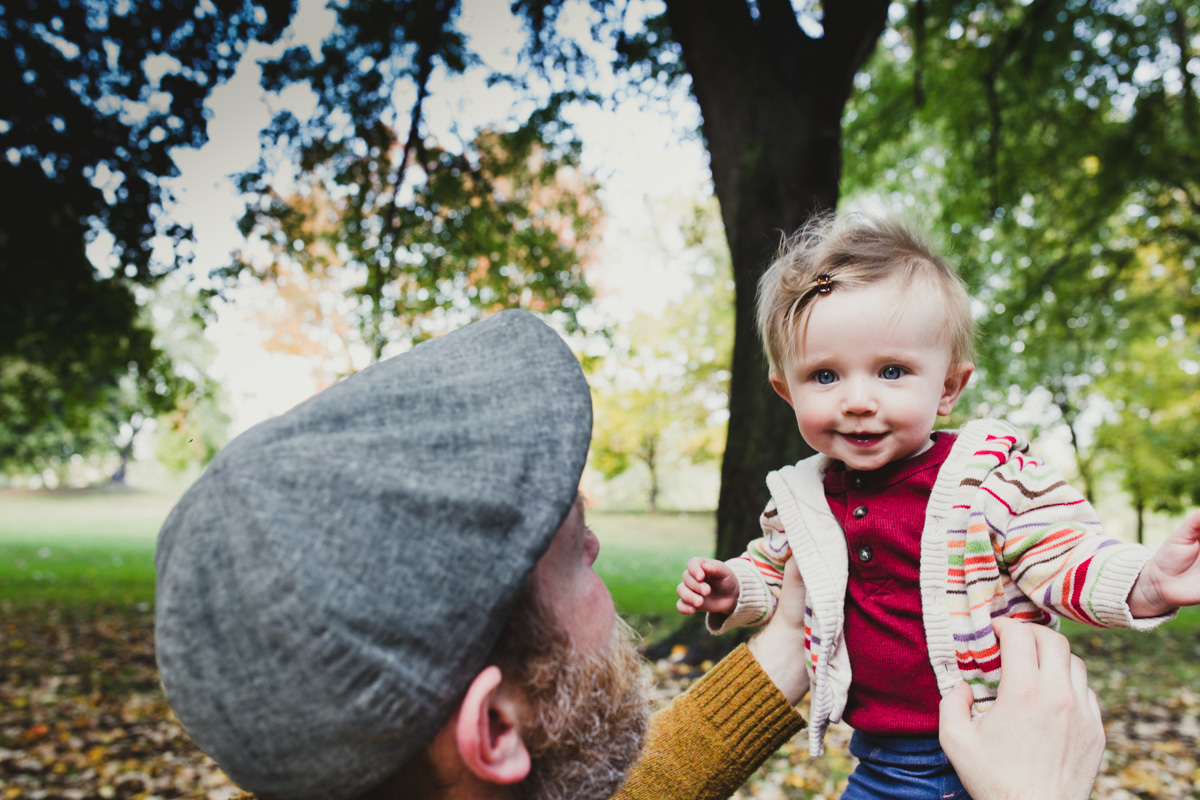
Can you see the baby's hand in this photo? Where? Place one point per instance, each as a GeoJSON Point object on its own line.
{"type": "Point", "coordinates": [1172, 577]}
{"type": "Point", "coordinates": [708, 585]}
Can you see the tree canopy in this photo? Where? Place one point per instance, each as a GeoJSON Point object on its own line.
{"type": "Point", "coordinates": [97, 95]}
{"type": "Point", "coordinates": [423, 233]}
{"type": "Point", "coordinates": [1052, 141]}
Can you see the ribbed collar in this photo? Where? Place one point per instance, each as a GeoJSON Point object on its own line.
{"type": "Point", "coordinates": [838, 479]}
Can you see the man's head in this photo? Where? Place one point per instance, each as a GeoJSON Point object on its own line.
{"type": "Point", "coordinates": [331, 590]}
{"type": "Point", "coordinates": [561, 709]}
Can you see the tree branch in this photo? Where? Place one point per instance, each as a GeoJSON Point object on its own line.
{"type": "Point", "coordinates": [691, 19]}
{"type": "Point", "coordinates": [851, 31]}
{"type": "Point", "coordinates": [1191, 110]}
{"type": "Point", "coordinates": [1016, 36]}
{"type": "Point", "coordinates": [918, 23]}
{"type": "Point", "coordinates": [778, 19]}
{"type": "Point", "coordinates": [996, 122]}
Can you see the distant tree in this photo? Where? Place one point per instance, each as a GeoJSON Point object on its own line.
{"type": "Point", "coordinates": [425, 235]}
{"type": "Point", "coordinates": [503, 224]}
{"type": "Point", "coordinates": [191, 434]}
{"type": "Point", "coordinates": [311, 315]}
{"type": "Point", "coordinates": [196, 426]}
{"type": "Point", "coordinates": [96, 96]}
{"type": "Point", "coordinates": [46, 427]}
{"type": "Point", "coordinates": [662, 393]}
{"type": "Point", "coordinates": [1150, 439]}
{"type": "Point", "coordinates": [634, 425]}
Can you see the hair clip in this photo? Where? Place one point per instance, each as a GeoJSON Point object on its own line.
{"type": "Point", "coordinates": [824, 283]}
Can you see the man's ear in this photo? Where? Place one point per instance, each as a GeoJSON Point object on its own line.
{"type": "Point", "coordinates": [956, 380]}
{"type": "Point", "coordinates": [488, 736]}
{"type": "Point", "coordinates": [781, 388]}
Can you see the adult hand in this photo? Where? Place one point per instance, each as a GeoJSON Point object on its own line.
{"type": "Point", "coordinates": [779, 646]}
{"type": "Point", "coordinates": [1042, 740]}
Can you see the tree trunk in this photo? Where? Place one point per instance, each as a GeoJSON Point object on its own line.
{"type": "Point", "coordinates": [1141, 522]}
{"type": "Point", "coordinates": [118, 476]}
{"type": "Point", "coordinates": [125, 452]}
{"type": "Point", "coordinates": [772, 100]}
{"type": "Point", "coordinates": [1082, 463]}
{"type": "Point", "coordinates": [652, 463]}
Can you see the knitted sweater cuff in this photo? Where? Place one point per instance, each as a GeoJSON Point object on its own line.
{"type": "Point", "coordinates": [1113, 586]}
{"type": "Point", "coordinates": [754, 603]}
{"type": "Point", "coordinates": [709, 741]}
{"type": "Point", "coordinates": [745, 708]}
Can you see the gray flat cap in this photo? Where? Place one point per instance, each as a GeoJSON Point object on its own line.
{"type": "Point", "coordinates": [335, 579]}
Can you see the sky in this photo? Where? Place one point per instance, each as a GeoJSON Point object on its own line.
{"type": "Point", "coordinates": [640, 156]}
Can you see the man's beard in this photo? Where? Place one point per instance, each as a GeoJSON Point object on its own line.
{"type": "Point", "coordinates": [588, 718]}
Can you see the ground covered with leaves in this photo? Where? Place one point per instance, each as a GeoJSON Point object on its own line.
{"type": "Point", "coordinates": [82, 714]}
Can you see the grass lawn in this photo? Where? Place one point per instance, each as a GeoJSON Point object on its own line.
{"type": "Point", "coordinates": [76, 548]}
{"type": "Point", "coordinates": [642, 557]}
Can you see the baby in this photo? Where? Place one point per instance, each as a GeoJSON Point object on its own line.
{"type": "Point", "coordinates": [911, 541]}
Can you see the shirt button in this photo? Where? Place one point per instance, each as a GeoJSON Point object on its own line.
{"type": "Point", "coordinates": [856, 482]}
{"type": "Point", "coordinates": [860, 512]}
{"type": "Point", "coordinates": [865, 554]}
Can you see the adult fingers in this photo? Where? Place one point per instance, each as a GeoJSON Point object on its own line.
{"type": "Point", "coordinates": [1053, 654]}
{"type": "Point", "coordinates": [1094, 702]}
{"type": "Point", "coordinates": [1078, 675]}
{"type": "Point", "coordinates": [954, 713]}
{"type": "Point", "coordinates": [791, 573]}
{"type": "Point", "coordinates": [1190, 527]}
{"type": "Point", "coordinates": [1018, 651]}
{"type": "Point", "coordinates": [1083, 693]}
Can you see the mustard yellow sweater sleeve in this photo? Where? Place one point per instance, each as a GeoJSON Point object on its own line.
{"type": "Point", "coordinates": [712, 737]}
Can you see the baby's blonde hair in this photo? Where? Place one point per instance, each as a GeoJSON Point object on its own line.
{"type": "Point", "coordinates": [850, 251]}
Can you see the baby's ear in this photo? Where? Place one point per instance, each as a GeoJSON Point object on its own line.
{"type": "Point", "coordinates": [956, 380]}
{"type": "Point", "coordinates": [781, 388]}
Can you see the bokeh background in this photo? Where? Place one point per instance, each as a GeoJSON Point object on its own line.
{"type": "Point", "coordinates": [214, 209]}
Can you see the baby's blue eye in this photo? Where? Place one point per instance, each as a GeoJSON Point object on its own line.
{"type": "Point", "coordinates": [891, 373]}
{"type": "Point", "coordinates": [824, 376]}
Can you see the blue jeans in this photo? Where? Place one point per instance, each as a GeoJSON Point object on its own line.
{"type": "Point", "coordinates": [894, 768]}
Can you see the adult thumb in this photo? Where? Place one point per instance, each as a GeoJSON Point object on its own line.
{"type": "Point", "coordinates": [954, 712]}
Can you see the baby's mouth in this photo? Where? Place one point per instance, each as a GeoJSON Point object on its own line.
{"type": "Point", "coordinates": [864, 439]}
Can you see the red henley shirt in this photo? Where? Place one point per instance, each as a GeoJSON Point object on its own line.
{"type": "Point", "coordinates": [894, 691]}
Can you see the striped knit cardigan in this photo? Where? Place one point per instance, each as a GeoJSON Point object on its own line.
{"type": "Point", "coordinates": [1004, 535]}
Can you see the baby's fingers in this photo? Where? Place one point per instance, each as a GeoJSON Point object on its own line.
{"type": "Point", "coordinates": [689, 594]}
{"type": "Point", "coordinates": [698, 586]}
{"type": "Point", "coordinates": [698, 569]}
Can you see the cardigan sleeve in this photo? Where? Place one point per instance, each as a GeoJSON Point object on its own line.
{"type": "Point", "coordinates": [760, 576]}
{"type": "Point", "coordinates": [1054, 548]}
{"type": "Point", "coordinates": [710, 740]}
